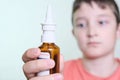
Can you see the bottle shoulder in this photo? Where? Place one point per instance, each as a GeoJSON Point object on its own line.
{"type": "Point", "coordinates": [49, 46]}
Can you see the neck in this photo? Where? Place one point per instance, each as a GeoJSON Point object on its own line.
{"type": "Point", "coordinates": [102, 67]}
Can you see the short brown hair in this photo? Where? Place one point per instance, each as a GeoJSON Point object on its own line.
{"type": "Point", "coordinates": [101, 3]}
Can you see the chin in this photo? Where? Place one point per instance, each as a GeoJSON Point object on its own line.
{"type": "Point", "coordinates": [93, 55]}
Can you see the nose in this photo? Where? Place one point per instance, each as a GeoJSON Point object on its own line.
{"type": "Point", "coordinates": [92, 32]}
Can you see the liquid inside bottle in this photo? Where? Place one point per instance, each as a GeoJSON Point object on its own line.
{"type": "Point", "coordinates": [53, 50]}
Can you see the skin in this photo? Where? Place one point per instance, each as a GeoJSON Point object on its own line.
{"type": "Point", "coordinates": [96, 33]}
{"type": "Point", "coordinates": [97, 26]}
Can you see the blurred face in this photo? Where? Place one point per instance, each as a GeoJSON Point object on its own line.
{"type": "Point", "coordinates": [95, 30]}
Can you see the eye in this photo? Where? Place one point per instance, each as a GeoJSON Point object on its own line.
{"type": "Point", "coordinates": [102, 22]}
{"type": "Point", "coordinates": [81, 25]}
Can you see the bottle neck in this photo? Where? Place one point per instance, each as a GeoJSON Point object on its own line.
{"type": "Point", "coordinates": [48, 37]}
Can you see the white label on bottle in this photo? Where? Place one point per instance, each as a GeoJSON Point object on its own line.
{"type": "Point", "coordinates": [44, 55]}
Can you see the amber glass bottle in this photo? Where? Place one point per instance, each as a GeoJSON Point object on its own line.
{"type": "Point", "coordinates": [49, 50]}
{"type": "Point", "coordinates": [53, 50]}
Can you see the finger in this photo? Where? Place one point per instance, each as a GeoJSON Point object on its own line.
{"type": "Point", "coordinates": [31, 54]}
{"type": "Point", "coordinates": [56, 76]}
{"type": "Point", "coordinates": [36, 66]}
{"type": "Point", "coordinates": [28, 76]}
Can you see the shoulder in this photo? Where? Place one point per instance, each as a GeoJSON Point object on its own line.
{"type": "Point", "coordinates": [71, 69]}
{"type": "Point", "coordinates": [71, 64]}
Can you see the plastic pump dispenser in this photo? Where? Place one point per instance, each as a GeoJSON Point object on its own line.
{"type": "Point", "coordinates": [49, 27]}
{"type": "Point", "coordinates": [49, 50]}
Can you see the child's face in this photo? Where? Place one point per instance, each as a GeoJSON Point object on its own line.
{"type": "Point", "coordinates": [95, 30]}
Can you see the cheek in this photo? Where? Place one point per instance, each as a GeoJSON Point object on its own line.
{"type": "Point", "coordinates": [109, 38]}
{"type": "Point", "coordinates": [81, 38]}
{"type": "Point", "coordinates": [110, 35]}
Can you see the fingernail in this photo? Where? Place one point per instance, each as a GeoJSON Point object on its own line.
{"type": "Point", "coordinates": [58, 77]}
{"type": "Point", "coordinates": [50, 63]}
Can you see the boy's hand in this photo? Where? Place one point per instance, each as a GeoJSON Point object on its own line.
{"type": "Point", "coordinates": [32, 66]}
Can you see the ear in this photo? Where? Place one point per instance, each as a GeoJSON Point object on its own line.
{"type": "Point", "coordinates": [73, 32]}
{"type": "Point", "coordinates": [118, 32]}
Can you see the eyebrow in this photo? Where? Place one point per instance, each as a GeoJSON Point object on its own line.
{"type": "Point", "coordinates": [83, 18]}
{"type": "Point", "coordinates": [104, 15]}
{"type": "Point", "coordinates": [79, 18]}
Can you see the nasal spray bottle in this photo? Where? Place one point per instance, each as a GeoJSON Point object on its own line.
{"type": "Point", "coordinates": [49, 50]}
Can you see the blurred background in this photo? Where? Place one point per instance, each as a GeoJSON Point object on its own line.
{"type": "Point", "coordinates": [20, 29]}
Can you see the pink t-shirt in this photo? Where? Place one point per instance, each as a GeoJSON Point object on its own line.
{"type": "Point", "coordinates": [74, 70]}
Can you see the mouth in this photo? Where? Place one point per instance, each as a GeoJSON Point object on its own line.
{"type": "Point", "coordinates": [94, 44]}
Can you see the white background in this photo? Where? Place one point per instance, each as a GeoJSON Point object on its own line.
{"type": "Point", "coordinates": [20, 30]}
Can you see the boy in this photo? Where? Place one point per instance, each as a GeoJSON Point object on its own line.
{"type": "Point", "coordinates": [96, 28]}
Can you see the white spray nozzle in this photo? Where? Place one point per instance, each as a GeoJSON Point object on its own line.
{"type": "Point", "coordinates": [49, 16]}
{"type": "Point", "coordinates": [48, 27]}
{"type": "Point", "coordinates": [49, 24]}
